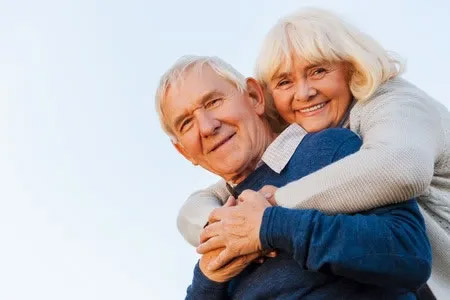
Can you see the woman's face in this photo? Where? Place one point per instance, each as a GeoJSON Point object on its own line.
{"type": "Point", "coordinates": [315, 96]}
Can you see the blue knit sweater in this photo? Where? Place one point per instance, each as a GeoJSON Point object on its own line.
{"type": "Point", "coordinates": [379, 254]}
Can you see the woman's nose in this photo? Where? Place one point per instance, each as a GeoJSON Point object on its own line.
{"type": "Point", "coordinates": [304, 92]}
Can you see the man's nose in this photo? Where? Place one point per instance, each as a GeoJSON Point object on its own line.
{"type": "Point", "coordinates": [208, 125]}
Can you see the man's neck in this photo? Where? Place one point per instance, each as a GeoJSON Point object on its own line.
{"type": "Point", "coordinates": [267, 138]}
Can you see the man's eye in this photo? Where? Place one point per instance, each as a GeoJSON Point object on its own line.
{"type": "Point", "coordinates": [185, 125]}
{"type": "Point", "coordinates": [213, 103]}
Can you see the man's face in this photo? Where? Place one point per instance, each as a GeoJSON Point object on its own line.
{"type": "Point", "coordinates": [217, 127]}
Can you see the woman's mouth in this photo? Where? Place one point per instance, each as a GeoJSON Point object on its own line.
{"type": "Point", "coordinates": [313, 108]}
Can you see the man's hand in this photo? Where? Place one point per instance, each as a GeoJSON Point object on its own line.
{"type": "Point", "coordinates": [268, 191]}
{"type": "Point", "coordinates": [234, 228]}
{"type": "Point", "coordinates": [227, 272]}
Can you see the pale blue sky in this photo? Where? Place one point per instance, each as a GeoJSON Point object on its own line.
{"type": "Point", "coordinates": [89, 184]}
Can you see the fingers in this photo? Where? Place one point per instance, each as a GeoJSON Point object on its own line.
{"type": "Point", "coordinates": [272, 201]}
{"type": "Point", "coordinates": [213, 216]}
{"type": "Point", "coordinates": [272, 253]}
{"type": "Point", "coordinates": [269, 196]}
{"type": "Point", "coordinates": [230, 202]}
{"type": "Point", "coordinates": [228, 271]}
{"type": "Point", "coordinates": [246, 196]}
{"type": "Point", "coordinates": [259, 260]}
{"type": "Point", "coordinates": [268, 191]}
{"type": "Point", "coordinates": [222, 259]}
{"type": "Point", "coordinates": [217, 214]}
{"type": "Point", "coordinates": [210, 231]}
{"type": "Point", "coordinates": [251, 257]}
{"type": "Point", "coordinates": [236, 265]}
{"type": "Point", "coordinates": [240, 262]}
{"type": "Point", "coordinates": [211, 244]}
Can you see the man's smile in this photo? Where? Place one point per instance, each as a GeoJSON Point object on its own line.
{"type": "Point", "coordinates": [221, 143]}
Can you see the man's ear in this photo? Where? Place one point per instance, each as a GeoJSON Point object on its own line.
{"type": "Point", "coordinates": [256, 93]}
{"type": "Point", "coordinates": [183, 152]}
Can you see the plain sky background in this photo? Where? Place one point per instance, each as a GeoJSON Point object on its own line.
{"type": "Point", "coordinates": [89, 184]}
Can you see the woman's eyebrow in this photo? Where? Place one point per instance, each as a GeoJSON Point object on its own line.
{"type": "Point", "coordinates": [279, 76]}
{"type": "Point", "coordinates": [312, 66]}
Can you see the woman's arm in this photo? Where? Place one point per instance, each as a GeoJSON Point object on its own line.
{"type": "Point", "coordinates": [387, 247]}
{"type": "Point", "coordinates": [402, 137]}
{"type": "Point", "coordinates": [194, 213]}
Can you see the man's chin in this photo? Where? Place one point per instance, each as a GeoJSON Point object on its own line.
{"type": "Point", "coordinates": [227, 173]}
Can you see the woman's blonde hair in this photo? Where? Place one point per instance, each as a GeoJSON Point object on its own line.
{"type": "Point", "coordinates": [320, 36]}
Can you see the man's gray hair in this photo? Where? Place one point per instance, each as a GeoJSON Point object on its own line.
{"type": "Point", "coordinates": [175, 76]}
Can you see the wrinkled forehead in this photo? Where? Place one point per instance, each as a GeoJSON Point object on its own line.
{"type": "Point", "coordinates": [187, 77]}
{"type": "Point", "coordinates": [186, 90]}
{"type": "Point", "coordinates": [194, 82]}
{"type": "Point", "coordinates": [182, 90]}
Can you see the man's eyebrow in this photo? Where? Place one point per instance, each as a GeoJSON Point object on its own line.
{"type": "Point", "coordinates": [200, 101]}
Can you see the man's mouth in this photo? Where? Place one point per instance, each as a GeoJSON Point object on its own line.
{"type": "Point", "coordinates": [313, 108]}
{"type": "Point", "coordinates": [221, 143]}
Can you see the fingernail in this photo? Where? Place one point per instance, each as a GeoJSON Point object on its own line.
{"type": "Point", "coordinates": [268, 195]}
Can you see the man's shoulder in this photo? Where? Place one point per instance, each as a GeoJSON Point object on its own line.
{"type": "Point", "coordinates": [326, 146]}
{"type": "Point", "coordinates": [329, 137]}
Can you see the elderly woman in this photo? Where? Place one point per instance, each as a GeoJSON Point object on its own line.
{"type": "Point", "coordinates": [322, 73]}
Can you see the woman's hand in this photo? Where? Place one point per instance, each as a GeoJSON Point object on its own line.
{"type": "Point", "coordinates": [268, 191]}
{"type": "Point", "coordinates": [234, 228]}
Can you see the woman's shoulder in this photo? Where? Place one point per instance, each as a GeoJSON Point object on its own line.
{"type": "Point", "coordinates": [400, 111]}
{"type": "Point", "coordinates": [394, 94]}
{"type": "Point", "coordinates": [396, 88]}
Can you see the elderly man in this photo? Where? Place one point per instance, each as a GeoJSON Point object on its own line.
{"type": "Point", "coordinates": [216, 119]}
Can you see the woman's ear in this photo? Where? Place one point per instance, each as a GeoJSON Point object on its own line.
{"type": "Point", "coordinates": [183, 152]}
{"type": "Point", "coordinates": [256, 94]}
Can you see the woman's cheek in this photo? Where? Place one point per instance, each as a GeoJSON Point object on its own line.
{"type": "Point", "coordinates": [281, 102]}
{"type": "Point", "coordinates": [284, 110]}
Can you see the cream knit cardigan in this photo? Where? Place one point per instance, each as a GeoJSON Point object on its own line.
{"type": "Point", "coordinates": [405, 154]}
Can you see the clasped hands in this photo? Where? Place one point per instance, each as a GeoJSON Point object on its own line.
{"type": "Point", "coordinates": [231, 241]}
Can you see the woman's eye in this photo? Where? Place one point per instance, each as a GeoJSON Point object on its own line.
{"type": "Point", "coordinates": [283, 82]}
{"type": "Point", "coordinates": [213, 103]}
{"type": "Point", "coordinates": [318, 72]}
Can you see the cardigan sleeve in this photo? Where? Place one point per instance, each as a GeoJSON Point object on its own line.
{"type": "Point", "coordinates": [194, 213]}
{"type": "Point", "coordinates": [387, 246]}
{"type": "Point", "coordinates": [402, 137]}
